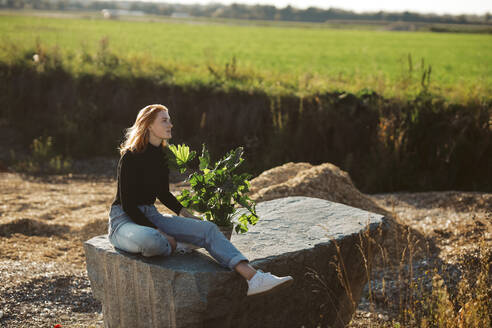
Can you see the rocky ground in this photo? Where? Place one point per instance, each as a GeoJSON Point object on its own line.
{"type": "Point", "coordinates": [44, 222]}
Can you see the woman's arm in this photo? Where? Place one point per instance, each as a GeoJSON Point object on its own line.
{"type": "Point", "coordinates": [168, 199]}
{"type": "Point", "coordinates": [187, 214]}
{"type": "Point", "coordinates": [165, 196]}
{"type": "Point", "coordinates": [128, 191]}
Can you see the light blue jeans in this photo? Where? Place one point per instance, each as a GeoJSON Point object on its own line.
{"type": "Point", "coordinates": [130, 237]}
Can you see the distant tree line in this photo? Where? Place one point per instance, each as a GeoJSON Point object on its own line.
{"type": "Point", "coordinates": [239, 11]}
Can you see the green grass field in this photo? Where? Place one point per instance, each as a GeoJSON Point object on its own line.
{"type": "Point", "coordinates": [307, 59]}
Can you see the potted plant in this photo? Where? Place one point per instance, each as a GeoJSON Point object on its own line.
{"type": "Point", "coordinates": [216, 190]}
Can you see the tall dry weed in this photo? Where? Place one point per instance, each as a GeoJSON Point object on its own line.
{"type": "Point", "coordinates": [413, 298]}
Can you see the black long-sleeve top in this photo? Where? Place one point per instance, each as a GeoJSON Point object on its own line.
{"type": "Point", "coordinates": [141, 178]}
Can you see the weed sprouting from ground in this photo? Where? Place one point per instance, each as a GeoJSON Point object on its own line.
{"type": "Point", "coordinates": [43, 159]}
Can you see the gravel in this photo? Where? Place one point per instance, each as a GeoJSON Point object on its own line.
{"type": "Point", "coordinates": [40, 294]}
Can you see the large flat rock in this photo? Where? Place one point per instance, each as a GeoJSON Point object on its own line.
{"type": "Point", "coordinates": [293, 224]}
{"type": "Point", "coordinates": [295, 236]}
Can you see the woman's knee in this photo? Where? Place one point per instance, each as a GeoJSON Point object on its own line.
{"type": "Point", "coordinates": [156, 244]}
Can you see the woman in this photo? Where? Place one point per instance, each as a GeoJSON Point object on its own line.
{"type": "Point", "coordinates": [136, 226]}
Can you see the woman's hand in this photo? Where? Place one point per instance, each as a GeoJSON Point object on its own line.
{"type": "Point", "coordinates": [187, 214]}
{"type": "Point", "coordinates": [171, 240]}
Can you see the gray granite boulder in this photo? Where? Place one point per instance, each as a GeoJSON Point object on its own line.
{"type": "Point", "coordinates": [296, 236]}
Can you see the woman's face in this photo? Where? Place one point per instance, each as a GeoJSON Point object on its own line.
{"type": "Point", "coordinates": [161, 127]}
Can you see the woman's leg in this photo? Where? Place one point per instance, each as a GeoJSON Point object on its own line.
{"type": "Point", "coordinates": [245, 270]}
{"type": "Point", "coordinates": [134, 238]}
{"type": "Point", "coordinates": [201, 233]}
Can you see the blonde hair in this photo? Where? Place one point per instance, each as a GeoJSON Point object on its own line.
{"type": "Point", "coordinates": [137, 136]}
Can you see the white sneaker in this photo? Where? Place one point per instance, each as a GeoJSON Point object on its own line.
{"type": "Point", "coordinates": [184, 248]}
{"type": "Point", "coordinates": [266, 282]}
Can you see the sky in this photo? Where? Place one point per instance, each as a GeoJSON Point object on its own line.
{"type": "Point", "coordinates": [453, 7]}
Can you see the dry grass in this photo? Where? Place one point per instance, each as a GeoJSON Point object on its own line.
{"type": "Point", "coordinates": [445, 286]}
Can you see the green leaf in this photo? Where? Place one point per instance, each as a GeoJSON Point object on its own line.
{"type": "Point", "coordinates": [236, 159]}
{"type": "Point", "coordinates": [204, 159]}
{"type": "Point", "coordinates": [231, 160]}
{"type": "Point", "coordinates": [242, 224]}
{"type": "Point", "coordinates": [182, 155]}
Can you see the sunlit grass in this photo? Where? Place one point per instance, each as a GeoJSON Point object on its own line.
{"type": "Point", "coordinates": [301, 59]}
